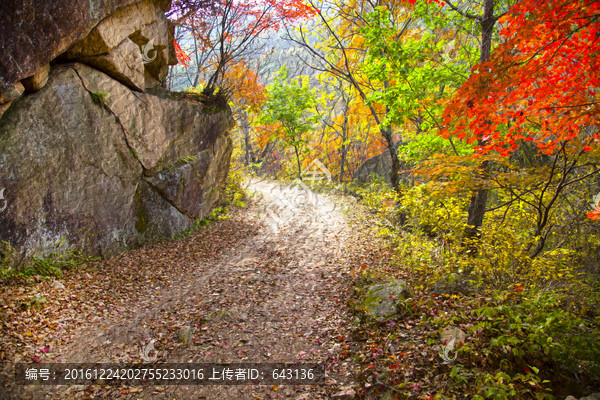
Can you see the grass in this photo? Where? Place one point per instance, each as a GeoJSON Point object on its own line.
{"type": "Point", "coordinates": [100, 97]}
{"type": "Point", "coordinates": [16, 268]}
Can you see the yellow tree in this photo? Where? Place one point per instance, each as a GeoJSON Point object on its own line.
{"type": "Point", "coordinates": [348, 135]}
{"type": "Point", "coordinates": [337, 49]}
{"type": "Point", "coordinates": [247, 97]}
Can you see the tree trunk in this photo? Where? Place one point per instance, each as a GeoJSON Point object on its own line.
{"type": "Point", "coordinates": [477, 206]}
{"type": "Point", "coordinates": [298, 162]}
{"type": "Point", "coordinates": [343, 149]}
{"type": "Point", "coordinates": [245, 126]}
{"type": "Point", "coordinates": [393, 149]}
{"type": "Point", "coordinates": [479, 196]}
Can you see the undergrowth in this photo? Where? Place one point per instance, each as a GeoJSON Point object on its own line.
{"type": "Point", "coordinates": [532, 323]}
{"type": "Point", "coordinates": [16, 267]}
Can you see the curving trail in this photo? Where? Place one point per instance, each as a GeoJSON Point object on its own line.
{"type": "Point", "coordinates": [274, 290]}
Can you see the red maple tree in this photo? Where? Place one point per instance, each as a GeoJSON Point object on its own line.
{"type": "Point", "coordinates": [540, 85]}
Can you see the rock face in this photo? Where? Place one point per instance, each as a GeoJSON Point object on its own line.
{"type": "Point", "coordinates": [385, 300]}
{"type": "Point", "coordinates": [88, 160]}
{"type": "Point", "coordinates": [110, 35]}
{"type": "Point", "coordinates": [131, 45]}
{"type": "Point", "coordinates": [91, 152]}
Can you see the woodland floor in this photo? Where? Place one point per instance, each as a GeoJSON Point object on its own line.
{"type": "Point", "coordinates": [269, 284]}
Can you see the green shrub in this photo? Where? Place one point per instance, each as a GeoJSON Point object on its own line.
{"type": "Point", "coordinates": [522, 342]}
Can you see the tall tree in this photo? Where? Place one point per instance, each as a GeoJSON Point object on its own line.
{"type": "Point", "coordinates": [289, 105]}
{"type": "Point", "coordinates": [540, 87]}
{"type": "Point", "coordinates": [336, 48]}
{"type": "Point", "coordinates": [487, 20]}
{"type": "Point", "coordinates": [420, 62]}
{"type": "Point", "coordinates": [229, 31]}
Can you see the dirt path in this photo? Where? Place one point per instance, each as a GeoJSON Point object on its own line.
{"type": "Point", "coordinates": [274, 289]}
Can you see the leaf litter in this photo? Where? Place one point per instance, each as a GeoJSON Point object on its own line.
{"type": "Point", "coordinates": [251, 288]}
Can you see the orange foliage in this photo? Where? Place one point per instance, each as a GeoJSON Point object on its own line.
{"type": "Point", "coordinates": [245, 86]}
{"type": "Point", "coordinates": [267, 133]}
{"type": "Point", "coordinates": [594, 214]}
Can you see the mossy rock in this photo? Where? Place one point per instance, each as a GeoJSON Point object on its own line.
{"type": "Point", "coordinates": [385, 300]}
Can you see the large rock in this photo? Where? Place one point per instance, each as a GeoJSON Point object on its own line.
{"type": "Point", "coordinates": [144, 24]}
{"type": "Point", "coordinates": [87, 160]}
{"type": "Point", "coordinates": [158, 134]}
{"type": "Point", "coordinates": [156, 217]}
{"type": "Point", "coordinates": [111, 31]}
{"type": "Point", "coordinates": [123, 63]}
{"type": "Point", "coordinates": [11, 93]}
{"type": "Point", "coordinates": [380, 165]}
{"type": "Point", "coordinates": [184, 185]}
{"type": "Point", "coordinates": [385, 300]}
{"type": "Point", "coordinates": [35, 33]}
{"type": "Point", "coordinates": [37, 80]}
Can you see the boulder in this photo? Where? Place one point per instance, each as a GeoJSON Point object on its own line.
{"type": "Point", "coordinates": [183, 184]}
{"type": "Point", "coordinates": [383, 301]}
{"type": "Point", "coordinates": [84, 155]}
{"type": "Point", "coordinates": [160, 131]}
{"type": "Point", "coordinates": [118, 26]}
{"type": "Point", "coordinates": [157, 218]}
{"type": "Point", "coordinates": [36, 32]}
{"type": "Point", "coordinates": [88, 160]}
{"type": "Point", "coordinates": [172, 54]}
{"type": "Point", "coordinates": [11, 93]}
{"type": "Point", "coordinates": [66, 168]}
{"type": "Point", "coordinates": [380, 164]}
{"type": "Point", "coordinates": [142, 24]}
